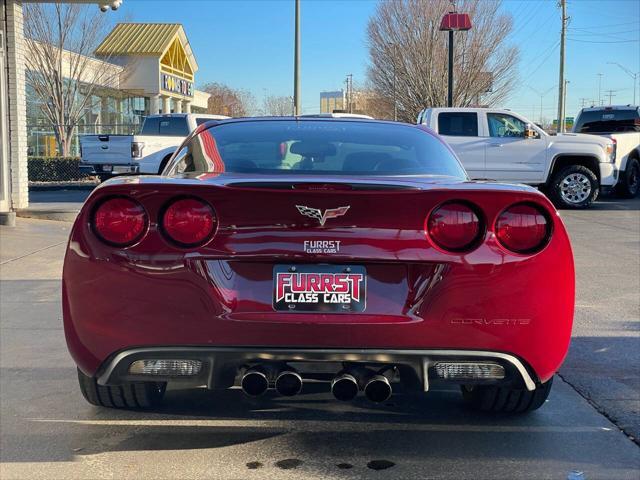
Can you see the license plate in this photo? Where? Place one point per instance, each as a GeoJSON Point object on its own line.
{"type": "Point", "coordinates": [319, 288]}
{"type": "Point", "coordinates": [107, 168]}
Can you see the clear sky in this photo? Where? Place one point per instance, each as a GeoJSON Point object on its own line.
{"type": "Point", "coordinates": [248, 44]}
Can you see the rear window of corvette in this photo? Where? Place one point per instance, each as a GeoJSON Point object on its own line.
{"type": "Point", "coordinates": [347, 148]}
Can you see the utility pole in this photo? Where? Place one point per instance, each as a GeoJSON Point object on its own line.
{"type": "Point", "coordinates": [350, 92]}
{"type": "Point", "coordinates": [610, 95]}
{"type": "Point", "coordinates": [296, 63]}
{"type": "Point", "coordinates": [583, 102]}
{"type": "Point", "coordinates": [599, 88]}
{"type": "Point", "coordinates": [561, 96]}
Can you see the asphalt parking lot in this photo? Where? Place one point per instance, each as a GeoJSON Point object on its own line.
{"type": "Point", "coordinates": [590, 423]}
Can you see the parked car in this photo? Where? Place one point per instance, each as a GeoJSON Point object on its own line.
{"type": "Point", "coordinates": [275, 252]}
{"type": "Point", "coordinates": [622, 125]}
{"type": "Point", "coordinates": [148, 152]}
{"type": "Point", "coordinates": [501, 145]}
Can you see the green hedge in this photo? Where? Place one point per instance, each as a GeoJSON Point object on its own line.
{"type": "Point", "coordinates": [54, 169]}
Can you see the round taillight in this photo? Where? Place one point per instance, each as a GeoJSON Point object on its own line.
{"type": "Point", "coordinates": [189, 222]}
{"type": "Point", "coordinates": [454, 227]}
{"type": "Point", "coordinates": [120, 221]}
{"type": "Point", "coordinates": [523, 228]}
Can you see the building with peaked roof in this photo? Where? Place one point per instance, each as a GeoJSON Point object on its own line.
{"type": "Point", "coordinates": [152, 70]}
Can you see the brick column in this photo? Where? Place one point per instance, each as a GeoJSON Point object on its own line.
{"type": "Point", "coordinates": [15, 46]}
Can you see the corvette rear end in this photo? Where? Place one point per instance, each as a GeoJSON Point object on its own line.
{"type": "Point", "coordinates": [275, 253]}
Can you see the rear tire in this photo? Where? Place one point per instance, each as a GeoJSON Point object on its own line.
{"type": "Point", "coordinates": [573, 187]}
{"type": "Point", "coordinates": [629, 184]}
{"type": "Point", "coordinates": [128, 395]}
{"type": "Point", "coordinates": [488, 398]}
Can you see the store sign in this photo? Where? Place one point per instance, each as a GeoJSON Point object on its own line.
{"type": "Point", "coordinates": [174, 84]}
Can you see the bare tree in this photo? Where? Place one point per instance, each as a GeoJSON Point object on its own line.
{"type": "Point", "coordinates": [408, 55]}
{"type": "Point", "coordinates": [60, 41]}
{"type": "Point", "coordinates": [278, 106]}
{"type": "Point", "coordinates": [225, 100]}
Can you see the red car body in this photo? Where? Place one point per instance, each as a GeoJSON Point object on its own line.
{"type": "Point", "coordinates": [420, 297]}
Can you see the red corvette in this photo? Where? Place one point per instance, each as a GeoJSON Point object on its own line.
{"type": "Point", "coordinates": [277, 252]}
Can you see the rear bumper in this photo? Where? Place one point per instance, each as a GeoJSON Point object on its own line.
{"type": "Point", "coordinates": [220, 364]}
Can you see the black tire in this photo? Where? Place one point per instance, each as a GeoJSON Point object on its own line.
{"type": "Point", "coordinates": [488, 398]}
{"type": "Point", "coordinates": [573, 187]}
{"type": "Point", "coordinates": [163, 163]}
{"type": "Point", "coordinates": [128, 395]}
{"type": "Point", "coordinates": [629, 184]}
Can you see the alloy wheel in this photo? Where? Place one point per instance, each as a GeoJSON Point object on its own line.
{"type": "Point", "coordinates": [575, 188]}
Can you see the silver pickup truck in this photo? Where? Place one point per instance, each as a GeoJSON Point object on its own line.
{"type": "Point", "coordinates": [147, 152]}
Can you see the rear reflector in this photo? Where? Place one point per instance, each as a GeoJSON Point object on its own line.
{"type": "Point", "coordinates": [119, 221]}
{"type": "Point", "coordinates": [523, 228]}
{"type": "Point", "coordinates": [170, 368]}
{"type": "Point", "coordinates": [469, 371]}
{"type": "Point", "coordinates": [189, 222]}
{"type": "Point", "coordinates": [454, 226]}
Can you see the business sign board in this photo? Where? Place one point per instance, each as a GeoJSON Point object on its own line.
{"type": "Point", "coordinates": [171, 83]}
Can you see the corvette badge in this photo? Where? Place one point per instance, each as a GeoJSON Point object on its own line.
{"type": "Point", "coordinates": [319, 215]}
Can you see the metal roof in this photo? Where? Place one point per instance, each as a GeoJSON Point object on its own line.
{"type": "Point", "coordinates": [139, 39]}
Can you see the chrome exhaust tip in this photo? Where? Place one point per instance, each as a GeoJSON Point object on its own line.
{"type": "Point", "coordinates": [254, 383]}
{"type": "Point", "coordinates": [344, 387]}
{"type": "Point", "coordinates": [378, 389]}
{"type": "Point", "coordinates": [288, 383]}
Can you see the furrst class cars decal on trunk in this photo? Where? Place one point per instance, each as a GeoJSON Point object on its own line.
{"type": "Point", "coordinates": [321, 246]}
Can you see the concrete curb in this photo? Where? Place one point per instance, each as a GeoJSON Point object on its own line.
{"type": "Point", "coordinates": [56, 215]}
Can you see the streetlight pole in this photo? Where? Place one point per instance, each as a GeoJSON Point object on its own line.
{"type": "Point", "coordinates": [599, 88]}
{"type": "Point", "coordinates": [631, 74]}
{"type": "Point", "coordinates": [395, 82]}
{"type": "Point", "coordinates": [453, 21]}
{"type": "Point", "coordinates": [296, 63]}
{"type": "Point", "coordinates": [542, 95]}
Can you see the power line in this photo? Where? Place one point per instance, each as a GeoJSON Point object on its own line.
{"type": "Point", "coordinates": [595, 41]}
{"type": "Point", "coordinates": [610, 95]}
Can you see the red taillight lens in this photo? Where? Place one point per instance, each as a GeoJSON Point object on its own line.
{"type": "Point", "coordinates": [454, 226]}
{"type": "Point", "coordinates": [120, 221]}
{"type": "Point", "coordinates": [189, 222]}
{"type": "Point", "coordinates": [523, 228]}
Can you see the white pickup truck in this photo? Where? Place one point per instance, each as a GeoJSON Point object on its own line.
{"type": "Point", "coordinates": [501, 145]}
{"type": "Point", "coordinates": [622, 125]}
{"type": "Point", "coordinates": [148, 152]}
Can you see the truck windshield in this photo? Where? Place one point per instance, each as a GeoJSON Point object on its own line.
{"type": "Point", "coordinates": [321, 147]}
{"type": "Point", "coordinates": [608, 121]}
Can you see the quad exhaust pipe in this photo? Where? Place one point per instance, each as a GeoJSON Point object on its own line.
{"type": "Point", "coordinates": [345, 386]}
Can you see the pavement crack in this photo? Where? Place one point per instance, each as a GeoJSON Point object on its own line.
{"type": "Point", "coordinates": [599, 409]}
{"type": "Point", "coordinates": [32, 253]}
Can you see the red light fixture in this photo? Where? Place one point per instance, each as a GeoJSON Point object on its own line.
{"type": "Point", "coordinates": [188, 222]}
{"type": "Point", "coordinates": [454, 226]}
{"type": "Point", "coordinates": [455, 21]}
{"type": "Point", "coordinates": [119, 221]}
{"type": "Point", "coordinates": [523, 228]}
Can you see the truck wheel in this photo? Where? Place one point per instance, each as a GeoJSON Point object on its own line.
{"type": "Point", "coordinates": [629, 184]}
{"type": "Point", "coordinates": [127, 395]}
{"type": "Point", "coordinates": [574, 186]}
{"type": "Point", "coordinates": [495, 399]}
